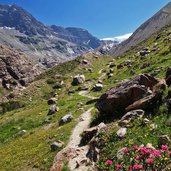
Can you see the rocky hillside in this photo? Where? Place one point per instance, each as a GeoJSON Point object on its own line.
{"type": "Point", "coordinates": [46, 45]}
{"type": "Point", "coordinates": [93, 113]}
{"type": "Point", "coordinates": [151, 26]}
{"type": "Point", "coordinates": [15, 68]}
{"type": "Point", "coordinates": [64, 97]}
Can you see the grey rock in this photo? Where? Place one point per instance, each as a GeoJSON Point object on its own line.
{"type": "Point", "coordinates": [78, 79]}
{"type": "Point", "coordinates": [98, 87]}
{"type": "Point", "coordinates": [120, 153]}
{"type": "Point", "coordinates": [164, 139]}
{"type": "Point", "coordinates": [53, 109]}
{"type": "Point", "coordinates": [131, 116]}
{"type": "Point", "coordinates": [121, 132]}
{"type": "Point", "coordinates": [66, 119]}
{"type": "Point", "coordinates": [56, 145]}
{"type": "Point", "coordinates": [112, 64]}
{"type": "Point", "coordinates": [52, 100]}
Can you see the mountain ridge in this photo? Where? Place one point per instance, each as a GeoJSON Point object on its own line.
{"type": "Point", "coordinates": [151, 26]}
{"type": "Point", "coordinates": [42, 43]}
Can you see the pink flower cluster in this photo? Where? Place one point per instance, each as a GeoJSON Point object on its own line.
{"type": "Point", "coordinates": [139, 158]}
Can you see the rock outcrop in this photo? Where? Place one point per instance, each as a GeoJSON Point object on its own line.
{"type": "Point", "coordinates": [15, 69]}
{"type": "Point", "coordinates": [118, 98]}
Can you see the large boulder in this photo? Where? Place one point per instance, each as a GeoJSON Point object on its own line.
{"type": "Point", "coordinates": [78, 79]}
{"type": "Point", "coordinates": [118, 98]}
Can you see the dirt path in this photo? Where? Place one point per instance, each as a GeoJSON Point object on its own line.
{"type": "Point", "coordinates": [72, 153]}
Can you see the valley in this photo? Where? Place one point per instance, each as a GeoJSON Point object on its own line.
{"type": "Point", "coordinates": [93, 112]}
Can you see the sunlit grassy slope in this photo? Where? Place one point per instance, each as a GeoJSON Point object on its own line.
{"type": "Point", "coordinates": [31, 150]}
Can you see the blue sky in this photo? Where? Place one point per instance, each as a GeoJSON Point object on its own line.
{"type": "Point", "coordinates": [103, 18]}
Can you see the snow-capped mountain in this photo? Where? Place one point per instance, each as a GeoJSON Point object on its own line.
{"type": "Point", "coordinates": [117, 39]}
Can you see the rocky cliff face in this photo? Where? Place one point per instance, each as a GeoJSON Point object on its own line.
{"type": "Point", "coordinates": [151, 26]}
{"type": "Point", "coordinates": [46, 45]}
{"type": "Point", "coordinates": [16, 17]}
{"type": "Point", "coordinates": [78, 36]}
{"type": "Point", "coordinates": [15, 69]}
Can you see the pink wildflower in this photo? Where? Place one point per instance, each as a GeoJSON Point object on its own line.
{"type": "Point", "coordinates": [138, 157]}
{"type": "Point", "coordinates": [119, 166]}
{"type": "Point", "coordinates": [135, 148]}
{"type": "Point", "coordinates": [109, 162]}
{"type": "Point", "coordinates": [145, 151]}
{"type": "Point", "coordinates": [138, 166]}
{"type": "Point", "coordinates": [130, 168]}
{"type": "Point", "coordinates": [156, 153]}
{"type": "Point", "coordinates": [164, 147]}
{"type": "Point", "coordinates": [126, 150]}
{"type": "Point", "coordinates": [150, 161]}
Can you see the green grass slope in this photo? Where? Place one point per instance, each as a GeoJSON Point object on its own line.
{"type": "Point", "coordinates": [31, 150]}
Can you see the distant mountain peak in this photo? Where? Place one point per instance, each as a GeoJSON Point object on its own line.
{"type": "Point", "coordinates": [48, 45]}
{"type": "Point", "coordinates": [118, 38]}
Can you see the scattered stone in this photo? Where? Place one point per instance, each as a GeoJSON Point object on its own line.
{"type": "Point", "coordinates": [109, 75]}
{"type": "Point", "coordinates": [112, 64]}
{"type": "Point", "coordinates": [80, 104]}
{"type": "Point", "coordinates": [56, 145]}
{"type": "Point", "coordinates": [153, 126]}
{"type": "Point", "coordinates": [145, 52]}
{"type": "Point", "coordinates": [131, 116]}
{"type": "Point", "coordinates": [127, 62]}
{"type": "Point", "coordinates": [98, 87]}
{"type": "Point", "coordinates": [121, 132]}
{"type": "Point", "coordinates": [120, 154]}
{"type": "Point", "coordinates": [90, 70]}
{"type": "Point", "coordinates": [52, 101]}
{"type": "Point", "coordinates": [71, 91]}
{"type": "Point", "coordinates": [21, 132]}
{"type": "Point", "coordinates": [163, 140]}
{"type": "Point", "coordinates": [53, 109]}
{"type": "Point", "coordinates": [146, 121]}
{"type": "Point", "coordinates": [79, 79]}
{"type": "Point", "coordinates": [84, 61]}
{"type": "Point", "coordinates": [55, 95]}
{"type": "Point", "coordinates": [120, 66]}
{"type": "Point", "coordinates": [111, 70]}
{"type": "Point", "coordinates": [84, 87]}
{"type": "Point", "coordinates": [58, 85]}
{"type": "Point", "coordinates": [100, 81]}
{"type": "Point", "coordinates": [66, 119]}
